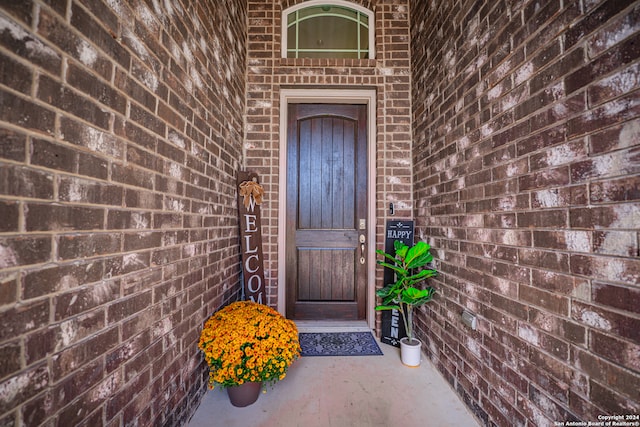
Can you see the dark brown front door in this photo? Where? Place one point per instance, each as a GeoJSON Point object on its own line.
{"type": "Point", "coordinates": [326, 211]}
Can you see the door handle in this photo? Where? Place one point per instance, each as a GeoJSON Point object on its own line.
{"type": "Point", "coordinates": [362, 240]}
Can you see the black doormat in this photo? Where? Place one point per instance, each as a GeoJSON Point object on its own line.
{"type": "Point", "coordinates": [339, 344]}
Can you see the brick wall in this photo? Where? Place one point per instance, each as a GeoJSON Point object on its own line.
{"type": "Point", "coordinates": [527, 162]}
{"type": "Point", "coordinates": [388, 74]}
{"type": "Point", "coordinates": [120, 137]}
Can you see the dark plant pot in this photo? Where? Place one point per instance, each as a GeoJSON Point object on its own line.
{"type": "Point", "coordinates": [244, 394]}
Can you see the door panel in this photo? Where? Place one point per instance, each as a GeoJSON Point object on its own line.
{"type": "Point", "coordinates": [326, 198]}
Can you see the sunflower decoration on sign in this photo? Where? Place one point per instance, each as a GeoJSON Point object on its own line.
{"type": "Point", "coordinates": [252, 194]}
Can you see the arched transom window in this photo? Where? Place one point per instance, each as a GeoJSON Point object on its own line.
{"type": "Point", "coordinates": [327, 29]}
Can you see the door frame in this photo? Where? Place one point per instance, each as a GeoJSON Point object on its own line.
{"type": "Point", "coordinates": [329, 96]}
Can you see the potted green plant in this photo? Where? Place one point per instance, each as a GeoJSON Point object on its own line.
{"type": "Point", "coordinates": [408, 264]}
{"type": "Point", "coordinates": [246, 344]}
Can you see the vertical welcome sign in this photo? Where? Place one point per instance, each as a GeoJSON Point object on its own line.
{"type": "Point", "coordinates": [250, 194]}
{"type": "Point", "coordinates": [392, 324]}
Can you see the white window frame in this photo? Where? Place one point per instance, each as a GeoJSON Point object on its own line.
{"type": "Point", "coordinates": [342, 3]}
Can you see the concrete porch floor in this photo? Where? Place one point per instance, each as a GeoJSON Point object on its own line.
{"type": "Point", "coordinates": [345, 391]}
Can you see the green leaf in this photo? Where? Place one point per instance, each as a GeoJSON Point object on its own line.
{"type": "Point", "coordinates": [418, 256]}
{"type": "Point", "coordinates": [401, 271]}
{"type": "Point", "coordinates": [387, 307]}
{"type": "Point", "coordinates": [401, 249]}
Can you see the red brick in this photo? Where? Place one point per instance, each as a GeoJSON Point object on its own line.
{"type": "Point", "coordinates": [28, 115]}
{"type": "Point", "coordinates": [46, 217]}
{"type": "Point", "coordinates": [87, 298]}
{"type": "Point", "coordinates": [127, 307]}
{"type": "Point", "coordinates": [57, 95]}
{"type": "Point", "coordinates": [620, 216]}
{"type": "Point", "coordinates": [49, 280]}
{"type": "Point", "coordinates": [15, 75]}
{"type": "Point", "coordinates": [545, 179]}
{"type": "Point", "coordinates": [19, 251]}
{"type": "Point", "coordinates": [9, 358]}
{"type": "Point", "coordinates": [25, 385]}
{"type": "Point", "coordinates": [611, 113]}
{"type": "Point", "coordinates": [621, 54]}
{"type": "Point", "coordinates": [96, 89]}
{"type": "Point", "coordinates": [593, 20]}
{"type": "Point", "coordinates": [624, 270]}
{"type": "Point", "coordinates": [625, 326]}
{"type": "Point", "coordinates": [604, 397]}
{"type": "Point", "coordinates": [623, 353]}
{"type": "Point", "coordinates": [605, 372]}
{"type": "Point", "coordinates": [621, 297]}
{"type": "Point", "coordinates": [544, 259]}
{"type": "Point", "coordinates": [615, 190]}
{"type": "Point", "coordinates": [543, 219]}
{"type": "Point", "coordinates": [13, 145]}
{"type": "Point", "coordinates": [22, 319]}
{"type": "Point", "coordinates": [546, 300]}
{"type": "Point", "coordinates": [8, 289]}
{"type": "Point", "coordinates": [558, 326]}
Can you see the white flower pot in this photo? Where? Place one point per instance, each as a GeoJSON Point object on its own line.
{"type": "Point", "coordinates": [410, 353]}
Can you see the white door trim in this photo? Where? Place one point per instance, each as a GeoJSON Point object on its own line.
{"type": "Point", "coordinates": [330, 96]}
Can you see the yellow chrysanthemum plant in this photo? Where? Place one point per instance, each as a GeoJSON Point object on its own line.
{"type": "Point", "coordinates": [248, 342]}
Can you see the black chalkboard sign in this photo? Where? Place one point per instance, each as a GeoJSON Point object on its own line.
{"type": "Point", "coordinates": [392, 325]}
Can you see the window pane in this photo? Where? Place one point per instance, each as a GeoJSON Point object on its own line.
{"type": "Point", "coordinates": [327, 32]}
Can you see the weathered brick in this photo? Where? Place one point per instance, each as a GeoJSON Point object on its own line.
{"type": "Point", "coordinates": [546, 300]}
{"type": "Point", "coordinates": [24, 385]}
{"type": "Point", "coordinates": [25, 113]}
{"type": "Point", "coordinates": [20, 251]}
{"type": "Point", "coordinates": [620, 216]}
{"type": "Point", "coordinates": [603, 371]}
{"type": "Point", "coordinates": [88, 145]}
{"type": "Point", "coordinates": [89, 192]}
{"type": "Point", "coordinates": [53, 156]}
{"type": "Point", "coordinates": [95, 88]}
{"type": "Point", "coordinates": [624, 243]}
{"type": "Point", "coordinates": [620, 297]}
{"type": "Point", "coordinates": [9, 358]}
{"type": "Point", "coordinates": [96, 140]}
{"type": "Point", "coordinates": [624, 270]}
{"type": "Point", "coordinates": [87, 298]}
{"type": "Point", "coordinates": [621, 54]}
{"type": "Point", "coordinates": [73, 246]}
{"type": "Point", "coordinates": [94, 32]}
{"type": "Point", "coordinates": [57, 95]}
{"type": "Point", "coordinates": [621, 352]}
{"type": "Point", "coordinates": [52, 279]}
{"type": "Point", "coordinates": [9, 211]}
{"type": "Point", "coordinates": [76, 412]}
{"type": "Point", "coordinates": [71, 358]}
{"type": "Point", "coordinates": [543, 219]}
{"type": "Point", "coordinates": [22, 319]}
{"type": "Point", "coordinates": [45, 217]}
{"type": "Point", "coordinates": [615, 190]}
{"type": "Point", "coordinates": [626, 162]}
{"type": "Point", "coordinates": [15, 75]}
{"type": "Point", "coordinates": [604, 397]}
{"type": "Point", "coordinates": [611, 113]}
{"type": "Point", "coordinates": [558, 326]}
{"type": "Point", "coordinates": [8, 289]}
{"type": "Point", "coordinates": [606, 320]}
{"type": "Point", "coordinates": [127, 307]}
